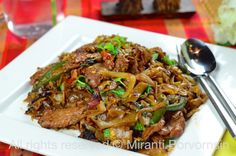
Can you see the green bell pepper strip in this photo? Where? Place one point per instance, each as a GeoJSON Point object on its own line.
{"type": "Point", "coordinates": [177, 106]}
{"type": "Point", "coordinates": [157, 115]}
{"type": "Point", "coordinates": [52, 69]}
{"type": "Point", "coordinates": [169, 61]}
{"type": "Point", "coordinates": [42, 83]}
{"type": "Point", "coordinates": [47, 77]}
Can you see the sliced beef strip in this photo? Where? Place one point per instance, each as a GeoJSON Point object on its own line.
{"type": "Point", "coordinates": [108, 60]}
{"type": "Point", "coordinates": [88, 48]}
{"type": "Point", "coordinates": [123, 134]}
{"type": "Point", "coordinates": [121, 64]}
{"type": "Point", "coordinates": [88, 51]}
{"type": "Point", "coordinates": [61, 118]}
{"type": "Point", "coordinates": [139, 60]}
{"type": "Point", "coordinates": [68, 57]}
{"type": "Point", "coordinates": [175, 125]}
{"type": "Point", "coordinates": [83, 56]}
{"type": "Point", "coordinates": [93, 74]}
{"type": "Point", "coordinates": [75, 96]}
{"type": "Point", "coordinates": [152, 129]}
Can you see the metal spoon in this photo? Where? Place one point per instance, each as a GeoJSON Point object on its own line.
{"type": "Point", "coordinates": [199, 60]}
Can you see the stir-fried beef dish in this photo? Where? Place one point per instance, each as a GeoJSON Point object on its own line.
{"type": "Point", "coordinates": [113, 89]}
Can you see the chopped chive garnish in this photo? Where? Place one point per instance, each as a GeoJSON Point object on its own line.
{"type": "Point", "coordinates": [155, 56]}
{"type": "Point", "coordinates": [119, 92]}
{"type": "Point", "coordinates": [119, 80]}
{"type": "Point", "coordinates": [139, 126]}
{"type": "Point", "coordinates": [106, 133]}
{"type": "Point", "coordinates": [62, 87]}
{"type": "Point", "coordinates": [82, 83]}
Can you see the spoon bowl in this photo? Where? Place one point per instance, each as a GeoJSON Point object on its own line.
{"type": "Point", "coordinates": [198, 57]}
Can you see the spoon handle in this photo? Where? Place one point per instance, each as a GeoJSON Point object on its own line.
{"type": "Point", "coordinates": [228, 120]}
{"type": "Point", "coordinates": [224, 99]}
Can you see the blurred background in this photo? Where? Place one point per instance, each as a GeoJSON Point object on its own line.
{"type": "Point", "coordinates": [22, 22]}
{"type": "Point", "coordinates": [199, 24]}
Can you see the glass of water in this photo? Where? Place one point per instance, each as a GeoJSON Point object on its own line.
{"type": "Point", "coordinates": [32, 18]}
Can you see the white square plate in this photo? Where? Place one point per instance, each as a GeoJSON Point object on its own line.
{"type": "Point", "coordinates": [202, 134]}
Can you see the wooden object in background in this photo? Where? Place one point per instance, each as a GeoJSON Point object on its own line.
{"type": "Point", "coordinates": [166, 5]}
{"type": "Point", "coordinates": [109, 11]}
{"type": "Point", "coordinates": [129, 6]}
